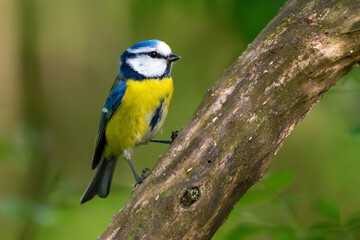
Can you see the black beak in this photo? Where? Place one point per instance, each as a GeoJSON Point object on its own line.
{"type": "Point", "coordinates": [173, 57]}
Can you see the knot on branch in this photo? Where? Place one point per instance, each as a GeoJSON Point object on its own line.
{"type": "Point", "coordinates": [190, 196]}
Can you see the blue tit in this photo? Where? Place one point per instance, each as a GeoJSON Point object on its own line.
{"type": "Point", "coordinates": [134, 111]}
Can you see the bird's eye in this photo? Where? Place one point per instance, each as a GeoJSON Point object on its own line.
{"type": "Point", "coordinates": [153, 54]}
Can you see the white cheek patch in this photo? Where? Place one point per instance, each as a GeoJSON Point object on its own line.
{"type": "Point", "coordinates": [149, 67]}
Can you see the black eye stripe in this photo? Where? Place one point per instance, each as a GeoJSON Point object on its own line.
{"type": "Point", "coordinates": [153, 54]}
{"type": "Point", "coordinates": [147, 53]}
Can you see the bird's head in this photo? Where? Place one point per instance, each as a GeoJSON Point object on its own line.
{"type": "Point", "coordinates": [148, 59]}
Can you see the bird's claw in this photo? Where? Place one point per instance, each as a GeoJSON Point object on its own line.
{"type": "Point", "coordinates": [174, 134]}
{"type": "Point", "coordinates": [145, 173]}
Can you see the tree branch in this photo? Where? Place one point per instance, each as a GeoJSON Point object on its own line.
{"type": "Point", "coordinates": [242, 121]}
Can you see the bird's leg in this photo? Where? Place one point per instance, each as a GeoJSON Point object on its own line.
{"type": "Point", "coordinates": [174, 134]}
{"type": "Point", "coordinates": [145, 171]}
{"type": "Point", "coordinates": [161, 141]}
{"type": "Point", "coordinates": [137, 178]}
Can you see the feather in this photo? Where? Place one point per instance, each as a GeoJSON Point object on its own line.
{"type": "Point", "coordinates": [112, 103]}
{"type": "Point", "coordinates": [101, 182]}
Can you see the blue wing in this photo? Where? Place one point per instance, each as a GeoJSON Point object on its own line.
{"type": "Point", "coordinates": [112, 103]}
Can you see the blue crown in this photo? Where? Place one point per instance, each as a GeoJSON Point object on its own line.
{"type": "Point", "coordinates": [148, 43]}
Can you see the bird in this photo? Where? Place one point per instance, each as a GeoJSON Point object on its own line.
{"type": "Point", "coordinates": [133, 112]}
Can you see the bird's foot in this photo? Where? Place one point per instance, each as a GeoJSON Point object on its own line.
{"type": "Point", "coordinates": [174, 135]}
{"type": "Point", "coordinates": [145, 173]}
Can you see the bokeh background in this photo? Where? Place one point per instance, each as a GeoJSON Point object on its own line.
{"type": "Point", "coordinates": [58, 60]}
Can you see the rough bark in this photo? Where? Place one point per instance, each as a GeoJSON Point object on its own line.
{"type": "Point", "coordinates": [242, 121]}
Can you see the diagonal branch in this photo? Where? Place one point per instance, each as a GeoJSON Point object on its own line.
{"type": "Point", "coordinates": [242, 121]}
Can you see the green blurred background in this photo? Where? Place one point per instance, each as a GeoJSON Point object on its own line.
{"type": "Point", "coordinates": [58, 60]}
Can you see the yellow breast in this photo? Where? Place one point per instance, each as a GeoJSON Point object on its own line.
{"type": "Point", "coordinates": [130, 124]}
